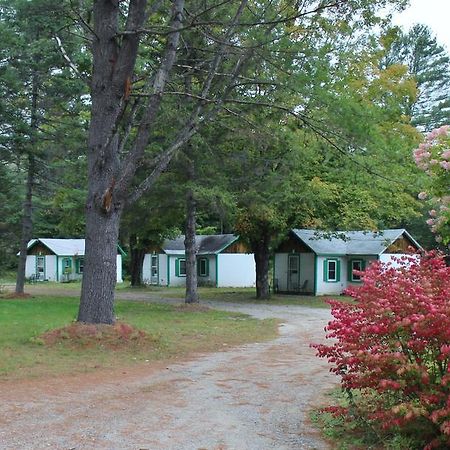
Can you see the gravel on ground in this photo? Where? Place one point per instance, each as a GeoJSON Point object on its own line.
{"type": "Point", "coordinates": [254, 397]}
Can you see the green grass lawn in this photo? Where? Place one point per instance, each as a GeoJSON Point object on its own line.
{"type": "Point", "coordinates": [177, 332]}
{"type": "Point", "coordinates": [233, 295]}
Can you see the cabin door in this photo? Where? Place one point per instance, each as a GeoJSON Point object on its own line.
{"type": "Point", "coordinates": [154, 270]}
{"type": "Point", "coordinates": [293, 272]}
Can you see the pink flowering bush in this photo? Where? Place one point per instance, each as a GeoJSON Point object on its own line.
{"type": "Point", "coordinates": [433, 157]}
{"type": "Point", "coordinates": [392, 346]}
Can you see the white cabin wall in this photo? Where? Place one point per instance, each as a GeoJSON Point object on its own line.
{"type": "Point", "coordinates": [236, 270]}
{"type": "Point", "coordinates": [162, 270]}
{"type": "Point", "coordinates": [119, 268]}
{"type": "Point", "coordinates": [146, 275]}
{"type": "Point", "coordinates": [280, 271]}
{"type": "Point", "coordinates": [50, 267]}
{"type": "Point", "coordinates": [391, 258]}
{"type": "Point", "coordinates": [30, 266]}
{"type": "Point", "coordinates": [331, 288]}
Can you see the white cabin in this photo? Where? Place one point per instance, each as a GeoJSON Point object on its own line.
{"type": "Point", "coordinates": [222, 261]}
{"type": "Point", "coordinates": [60, 260]}
{"type": "Point", "coordinates": [309, 262]}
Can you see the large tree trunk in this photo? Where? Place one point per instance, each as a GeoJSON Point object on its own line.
{"type": "Point", "coordinates": [100, 271]}
{"type": "Point", "coordinates": [109, 180]}
{"type": "Point", "coordinates": [137, 255]}
{"type": "Point", "coordinates": [113, 65]}
{"type": "Point", "coordinates": [103, 209]}
{"type": "Point", "coordinates": [27, 226]}
{"type": "Point", "coordinates": [261, 251]}
{"type": "Point", "coordinates": [191, 250]}
{"type": "Point", "coordinates": [27, 219]}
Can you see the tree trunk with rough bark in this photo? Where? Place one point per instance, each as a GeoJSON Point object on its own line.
{"type": "Point", "coordinates": [114, 54]}
{"type": "Point", "coordinates": [137, 255]}
{"type": "Point", "coordinates": [122, 124]}
{"type": "Point", "coordinates": [27, 218]}
{"type": "Point", "coordinates": [27, 226]}
{"type": "Point", "coordinates": [191, 250]}
{"type": "Point", "coordinates": [100, 271]}
{"type": "Point", "coordinates": [261, 251]}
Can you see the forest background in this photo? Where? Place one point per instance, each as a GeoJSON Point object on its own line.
{"type": "Point", "coordinates": [239, 117]}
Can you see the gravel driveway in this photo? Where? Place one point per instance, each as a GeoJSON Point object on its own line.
{"type": "Point", "coordinates": [254, 397]}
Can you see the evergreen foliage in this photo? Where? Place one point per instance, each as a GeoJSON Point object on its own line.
{"type": "Point", "coordinates": [429, 65]}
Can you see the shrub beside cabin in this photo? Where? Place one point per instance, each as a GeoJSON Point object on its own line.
{"type": "Point", "coordinates": [60, 260]}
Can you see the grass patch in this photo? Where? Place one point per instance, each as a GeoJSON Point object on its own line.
{"type": "Point", "coordinates": [173, 332]}
{"type": "Point", "coordinates": [235, 295]}
{"type": "Point", "coordinates": [354, 432]}
{"type": "Point", "coordinates": [231, 295]}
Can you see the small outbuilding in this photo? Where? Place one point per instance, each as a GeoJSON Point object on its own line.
{"type": "Point", "coordinates": [60, 260]}
{"type": "Point", "coordinates": [310, 262]}
{"type": "Point", "coordinates": [223, 260]}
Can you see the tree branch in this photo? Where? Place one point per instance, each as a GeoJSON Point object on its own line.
{"type": "Point", "coordinates": [131, 161]}
{"type": "Point", "coordinates": [68, 60]}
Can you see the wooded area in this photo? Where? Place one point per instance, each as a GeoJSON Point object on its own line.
{"type": "Point", "coordinates": [133, 121]}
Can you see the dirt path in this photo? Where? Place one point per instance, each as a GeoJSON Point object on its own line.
{"type": "Point", "coordinates": [254, 397]}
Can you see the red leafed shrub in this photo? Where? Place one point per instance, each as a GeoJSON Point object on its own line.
{"type": "Point", "coordinates": [393, 345]}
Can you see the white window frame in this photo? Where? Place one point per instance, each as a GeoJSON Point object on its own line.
{"type": "Point", "coordinates": [180, 262]}
{"type": "Point", "coordinates": [335, 262]}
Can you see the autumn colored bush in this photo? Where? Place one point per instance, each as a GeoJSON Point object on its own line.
{"type": "Point", "coordinates": [433, 157]}
{"type": "Point", "coordinates": [392, 346]}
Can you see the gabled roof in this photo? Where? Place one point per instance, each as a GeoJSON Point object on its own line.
{"type": "Point", "coordinates": [353, 242]}
{"type": "Point", "coordinates": [207, 244]}
{"type": "Point", "coordinates": [63, 247]}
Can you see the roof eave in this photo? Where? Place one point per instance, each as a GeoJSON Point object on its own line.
{"type": "Point", "coordinates": [302, 241]}
{"type": "Point", "coordinates": [36, 241]}
{"type": "Point", "coordinates": [224, 247]}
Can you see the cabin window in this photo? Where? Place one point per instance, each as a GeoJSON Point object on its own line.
{"type": "Point", "coordinates": [355, 264]}
{"type": "Point", "coordinates": [67, 265]}
{"type": "Point", "coordinates": [180, 267]}
{"type": "Point", "coordinates": [331, 270]}
{"type": "Point", "coordinates": [203, 267]}
{"type": "Point", "coordinates": [80, 265]}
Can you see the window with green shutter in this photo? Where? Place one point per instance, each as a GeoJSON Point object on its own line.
{"type": "Point", "coordinates": [355, 264]}
{"type": "Point", "coordinates": [67, 265]}
{"type": "Point", "coordinates": [180, 267]}
{"type": "Point", "coordinates": [203, 267]}
{"type": "Point", "coordinates": [79, 265]}
{"type": "Point", "coordinates": [331, 270]}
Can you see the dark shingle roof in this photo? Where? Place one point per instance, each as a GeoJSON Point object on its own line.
{"type": "Point", "coordinates": [207, 244]}
{"type": "Point", "coordinates": [354, 242]}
